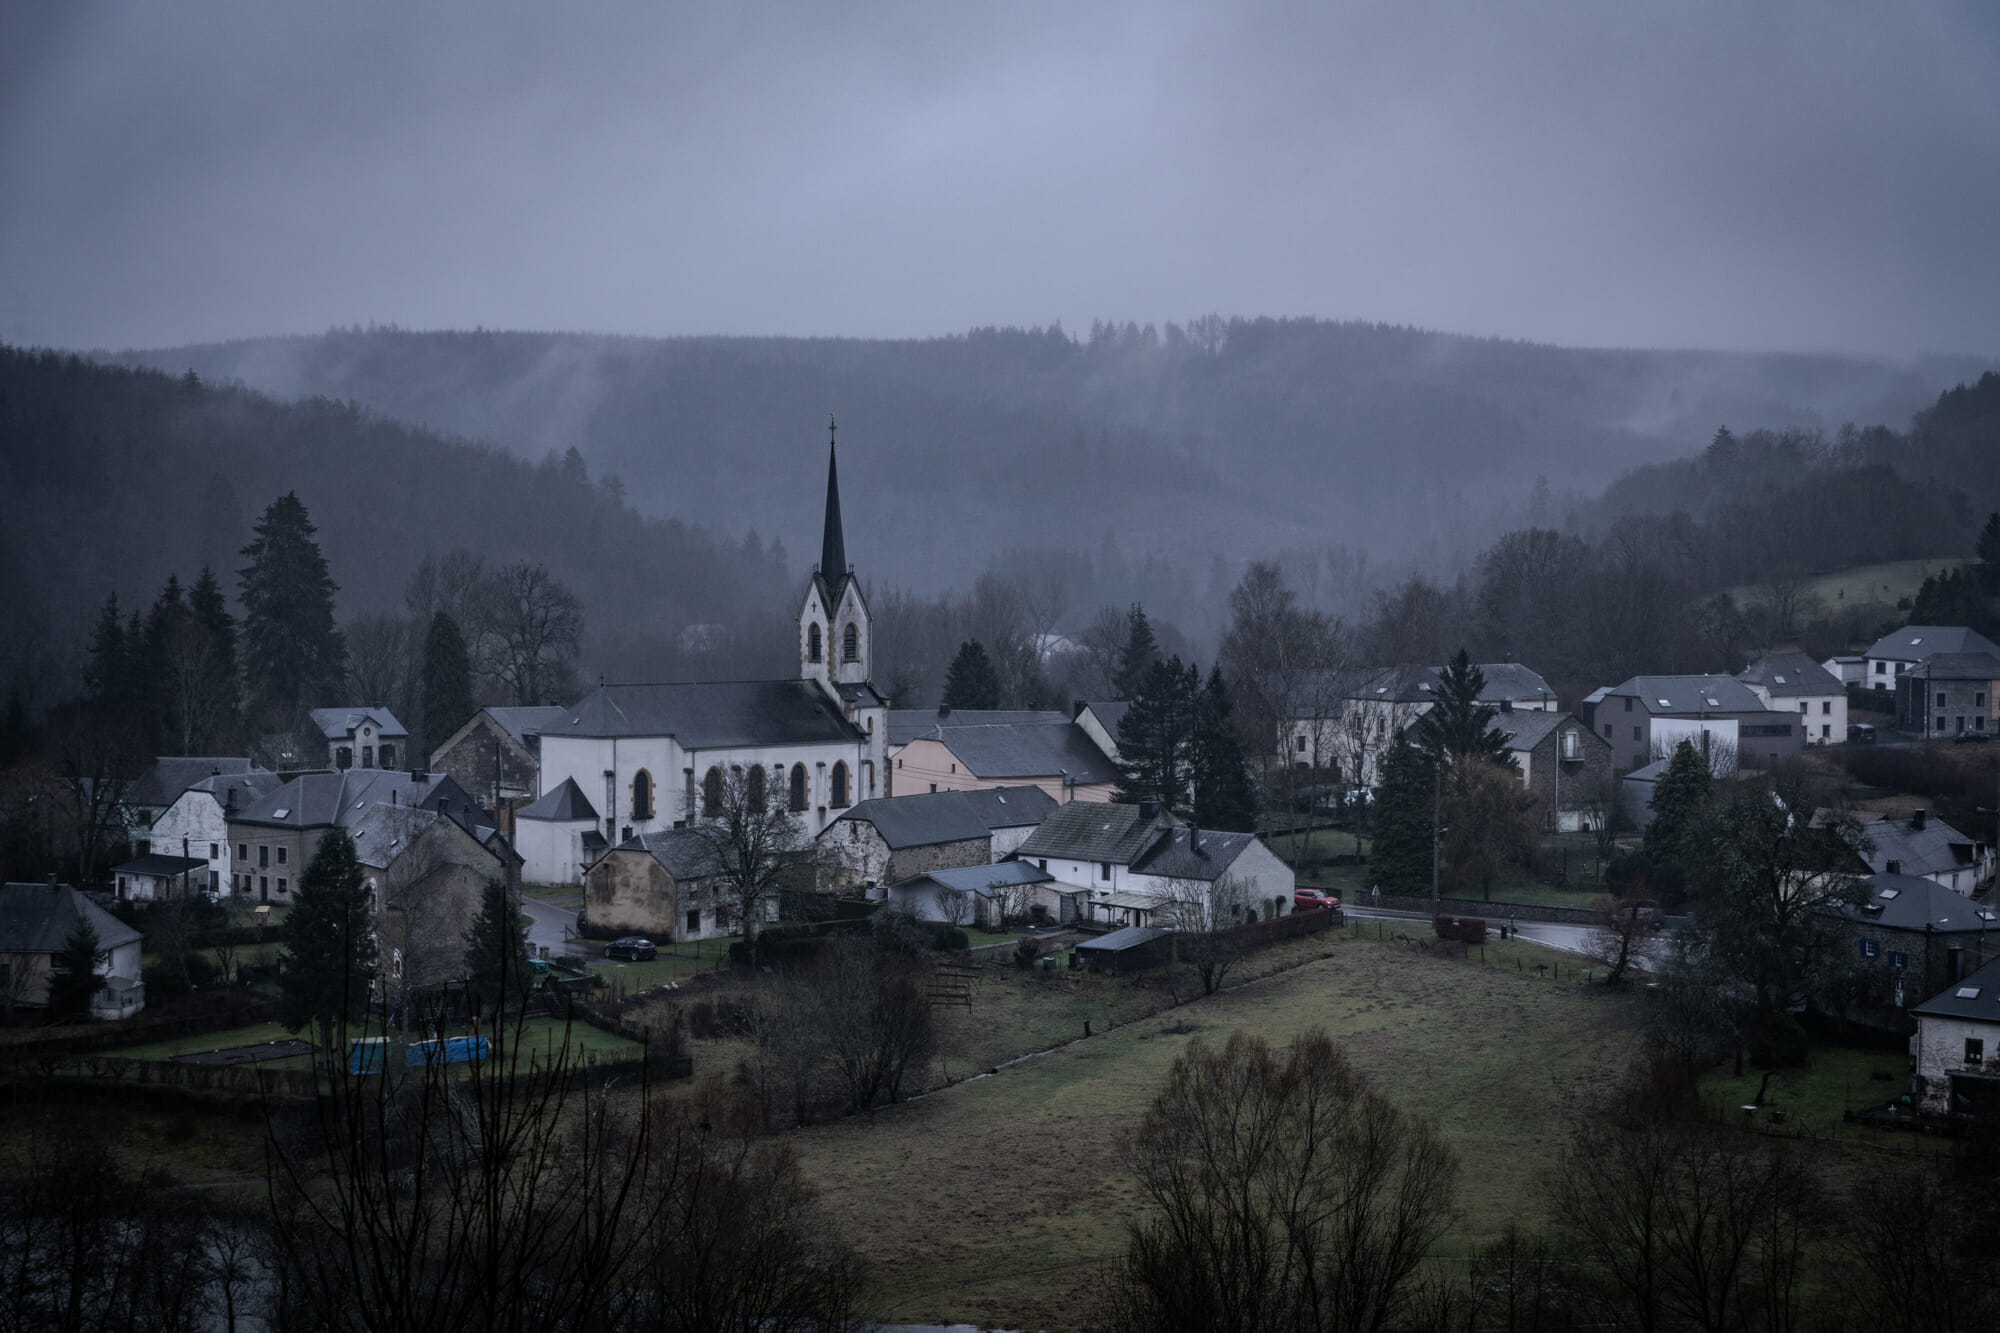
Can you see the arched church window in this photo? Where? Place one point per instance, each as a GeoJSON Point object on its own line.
{"type": "Point", "coordinates": [798, 788]}
{"type": "Point", "coordinates": [711, 793]}
{"type": "Point", "coordinates": [812, 643]}
{"type": "Point", "coordinates": [642, 795]}
{"type": "Point", "coordinates": [753, 788]}
{"type": "Point", "coordinates": [839, 786]}
{"type": "Point", "coordinates": [850, 644]}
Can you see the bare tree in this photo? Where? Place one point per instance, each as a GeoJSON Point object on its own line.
{"type": "Point", "coordinates": [539, 622]}
{"type": "Point", "coordinates": [954, 905]}
{"type": "Point", "coordinates": [1010, 902]}
{"type": "Point", "coordinates": [873, 1018]}
{"type": "Point", "coordinates": [1618, 940]}
{"type": "Point", "coordinates": [1200, 913]}
{"type": "Point", "coordinates": [755, 847]}
{"type": "Point", "coordinates": [382, 653]}
{"type": "Point", "coordinates": [1287, 1194]}
{"type": "Point", "coordinates": [96, 755]}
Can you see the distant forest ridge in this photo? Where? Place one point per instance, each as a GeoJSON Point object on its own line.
{"type": "Point", "coordinates": [1195, 447]}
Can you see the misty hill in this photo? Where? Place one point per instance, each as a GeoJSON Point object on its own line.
{"type": "Point", "coordinates": [115, 478]}
{"type": "Point", "coordinates": [1229, 439]}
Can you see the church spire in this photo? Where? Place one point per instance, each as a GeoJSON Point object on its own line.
{"type": "Point", "coordinates": [832, 549]}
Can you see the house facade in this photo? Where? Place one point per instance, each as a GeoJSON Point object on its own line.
{"type": "Point", "coordinates": [153, 877]}
{"type": "Point", "coordinates": [1922, 845]}
{"type": "Point", "coordinates": [891, 839]}
{"type": "Point", "coordinates": [36, 921]}
{"type": "Point", "coordinates": [1564, 763]}
{"type": "Point", "coordinates": [1134, 865]}
{"type": "Point", "coordinates": [987, 896]}
{"type": "Point", "coordinates": [558, 836]}
{"type": "Point", "coordinates": [426, 874]}
{"type": "Point", "coordinates": [274, 837]}
{"type": "Point", "coordinates": [1896, 652]}
{"type": "Point", "coordinates": [498, 753]}
{"type": "Point", "coordinates": [1955, 1053]}
{"type": "Point", "coordinates": [1057, 757]}
{"type": "Point", "coordinates": [1949, 695]}
{"type": "Point", "coordinates": [661, 884]}
{"type": "Point", "coordinates": [1346, 721]}
{"type": "Point", "coordinates": [1644, 718]}
{"type": "Point", "coordinates": [197, 823]}
{"type": "Point", "coordinates": [1793, 681]}
{"type": "Point", "coordinates": [362, 737]}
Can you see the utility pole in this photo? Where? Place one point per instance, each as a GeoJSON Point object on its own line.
{"type": "Point", "coordinates": [1437, 822]}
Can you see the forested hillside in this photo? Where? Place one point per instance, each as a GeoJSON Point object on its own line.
{"type": "Point", "coordinates": [1224, 439]}
{"type": "Point", "coordinates": [116, 478]}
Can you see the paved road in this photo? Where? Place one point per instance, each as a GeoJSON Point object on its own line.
{"type": "Point", "coordinates": [1556, 936]}
{"type": "Point", "coordinates": [554, 927]}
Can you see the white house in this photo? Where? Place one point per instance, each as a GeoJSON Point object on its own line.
{"type": "Point", "coordinates": [362, 737]}
{"type": "Point", "coordinates": [1786, 681]}
{"type": "Point", "coordinates": [1956, 1049]}
{"type": "Point", "coordinates": [988, 893]}
{"type": "Point", "coordinates": [649, 757]}
{"type": "Point", "coordinates": [1897, 651]}
{"type": "Point", "coordinates": [36, 920]}
{"type": "Point", "coordinates": [197, 822]}
{"type": "Point", "coordinates": [558, 836]}
{"type": "Point", "coordinates": [1132, 865]}
{"type": "Point", "coordinates": [1347, 720]}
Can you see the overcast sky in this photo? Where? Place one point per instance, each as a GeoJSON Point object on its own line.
{"type": "Point", "coordinates": [1820, 175]}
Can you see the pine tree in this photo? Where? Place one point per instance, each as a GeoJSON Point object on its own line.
{"type": "Point", "coordinates": [496, 951]}
{"type": "Point", "coordinates": [1405, 812]}
{"type": "Point", "coordinates": [294, 657]}
{"type": "Point", "coordinates": [1458, 726]}
{"type": "Point", "coordinates": [211, 612]}
{"type": "Point", "coordinates": [971, 681]}
{"type": "Point", "coordinates": [1680, 799]}
{"type": "Point", "coordinates": [1223, 795]}
{"type": "Point", "coordinates": [327, 943]}
{"type": "Point", "coordinates": [104, 672]}
{"type": "Point", "coordinates": [1156, 737]}
{"type": "Point", "coordinates": [1988, 551]}
{"type": "Point", "coordinates": [1140, 654]}
{"type": "Point", "coordinates": [73, 972]}
{"type": "Point", "coordinates": [447, 684]}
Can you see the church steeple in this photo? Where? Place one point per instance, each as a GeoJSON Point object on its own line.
{"type": "Point", "coordinates": [832, 549]}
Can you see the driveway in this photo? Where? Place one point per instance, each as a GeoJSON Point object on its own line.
{"type": "Point", "coordinates": [555, 928]}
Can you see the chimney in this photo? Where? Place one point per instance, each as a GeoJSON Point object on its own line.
{"type": "Point", "coordinates": [1076, 707]}
{"type": "Point", "coordinates": [944, 711]}
{"type": "Point", "coordinates": [1149, 810]}
{"type": "Point", "coordinates": [1194, 838]}
{"type": "Point", "coordinates": [229, 799]}
{"type": "Point", "coordinates": [1893, 868]}
{"type": "Point", "coordinates": [52, 881]}
{"type": "Point", "coordinates": [419, 775]}
{"type": "Point", "coordinates": [1956, 966]}
{"type": "Point", "coordinates": [1917, 821]}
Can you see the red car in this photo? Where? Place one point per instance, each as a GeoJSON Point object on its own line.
{"type": "Point", "coordinates": [1312, 900]}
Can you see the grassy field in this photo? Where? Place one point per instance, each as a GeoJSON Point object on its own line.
{"type": "Point", "coordinates": [1863, 583]}
{"type": "Point", "coordinates": [1816, 1098]}
{"type": "Point", "coordinates": [998, 1200]}
{"type": "Point", "coordinates": [1582, 886]}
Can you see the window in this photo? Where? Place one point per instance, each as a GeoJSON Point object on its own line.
{"type": "Point", "coordinates": [388, 756]}
{"type": "Point", "coordinates": [264, 886]}
{"type": "Point", "coordinates": [243, 851]}
{"type": "Point", "coordinates": [1104, 870]}
{"type": "Point", "coordinates": [1880, 667]}
{"type": "Point", "coordinates": [1607, 731]}
{"type": "Point", "coordinates": [711, 793]}
{"type": "Point", "coordinates": [1979, 699]}
{"type": "Point", "coordinates": [753, 787]}
{"type": "Point", "coordinates": [215, 881]}
{"type": "Point", "coordinates": [694, 923]}
{"type": "Point", "coordinates": [839, 786]}
{"type": "Point", "coordinates": [1302, 745]}
{"type": "Point", "coordinates": [850, 644]}
{"type": "Point", "coordinates": [281, 854]}
{"type": "Point", "coordinates": [368, 756]}
{"type": "Point", "coordinates": [1635, 734]}
{"type": "Point", "coordinates": [1571, 748]}
{"type": "Point", "coordinates": [343, 757]}
{"type": "Point", "coordinates": [1940, 726]}
{"type": "Point", "coordinates": [1826, 731]}
{"type": "Point", "coordinates": [1975, 1050]}
{"type": "Point", "coordinates": [642, 795]}
{"type": "Point", "coordinates": [263, 854]}
{"type": "Point", "coordinates": [1826, 707]}
{"type": "Point", "coordinates": [214, 852]}
{"type": "Point", "coordinates": [798, 801]}
{"type": "Point", "coordinates": [868, 777]}
{"type": "Point", "coordinates": [1803, 706]}
{"type": "Point", "coordinates": [812, 643]}
{"type": "Point", "coordinates": [281, 884]}
{"type": "Point", "coordinates": [1940, 695]}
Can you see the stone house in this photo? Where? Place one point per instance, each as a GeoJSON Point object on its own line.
{"type": "Point", "coordinates": [1921, 845]}
{"type": "Point", "coordinates": [197, 823]}
{"type": "Point", "coordinates": [1910, 937]}
{"type": "Point", "coordinates": [663, 885]}
{"type": "Point", "coordinates": [1787, 681]}
{"type": "Point", "coordinates": [1896, 652]}
{"type": "Point", "coordinates": [36, 920]}
{"type": "Point", "coordinates": [1645, 717]}
{"type": "Point", "coordinates": [1564, 763]}
{"type": "Point", "coordinates": [1134, 865]}
{"type": "Point", "coordinates": [362, 737]}
{"type": "Point", "coordinates": [1948, 695]}
{"type": "Point", "coordinates": [498, 753]}
{"type": "Point", "coordinates": [273, 837]}
{"type": "Point", "coordinates": [427, 874]}
{"type": "Point", "coordinates": [1057, 756]}
{"type": "Point", "coordinates": [1955, 1052]}
{"type": "Point", "coordinates": [888, 840]}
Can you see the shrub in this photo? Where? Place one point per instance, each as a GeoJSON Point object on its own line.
{"type": "Point", "coordinates": [950, 939]}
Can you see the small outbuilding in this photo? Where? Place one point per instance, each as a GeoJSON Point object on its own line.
{"type": "Point", "coordinates": [984, 895]}
{"type": "Point", "coordinates": [1127, 950]}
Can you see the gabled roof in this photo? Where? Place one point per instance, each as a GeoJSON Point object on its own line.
{"type": "Point", "coordinates": [1094, 831]}
{"type": "Point", "coordinates": [1935, 848]}
{"type": "Point", "coordinates": [38, 918]}
{"type": "Point", "coordinates": [1109, 713]}
{"type": "Point", "coordinates": [1527, 729]}
{"type": "Point", "coordinates": [1691, 694]}
{"type": "Point", "coordinates": [384, 832]}
{"type": "Point", "coordinates": [981, 879]}
{"type": "Point", "coordinates": [1910, 902]}
{"type": "Point", "coordinates": [1975, 997]}
{"type": "Point", "coordinates": [713, 715]}
{"type": "Point", "coordinates": [249, 786]}
{"type": "Point", "coordinates": [340, 723]}
{"type": "Point", "coordinates": [1790, 675]}
{"type": "Point", "coordinates": [1510, 680]}
{"type": "Point", "coordinates": [909, 724]}
{"type": "Point", "coordinates": [685, 853]}
{"type": "Point", "coordinates": [521, 723]}
{"type": "Point", "coordinates": [1913, 643]}
{"type": "Point", "coordinates": [1960, 666]}
{"type": "Point", "coordinates": [1023, 750]}
{"type": "Point", "coordinates": [1187, 853]}
{"type": "Point", "coordinates": [929, 818]}
{"type": "Point", "coordinates": [161, 866]}
{"type": "Point", "coordinates": [1409, 684]}
{"type": "Point", "coordinates": [324, 800]}
{"type": "Point", "coordinates": [170, 775]}
{"type": "Point", "coordinates": [566, 802]}
{"type": "Point", "coordinates": [1131, 937]}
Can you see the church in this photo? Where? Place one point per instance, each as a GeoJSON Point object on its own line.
{"type": "Point", "coordinates": [633, 759]}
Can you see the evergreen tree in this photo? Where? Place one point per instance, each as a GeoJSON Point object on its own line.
{"type": "Point", "coordinates": [1680, 800]}
{"type": "Point", "coordinates": [496, 951]}
{"type": "Point", "coordinates": [73, 973]}
{"type": "Point", "coordinates": [1405, 811]}
{"type": "Point", "coordinates": [1458, 726]}
{"type": "Point", "coordinates": [1156, 737]}
{"type": "Point", "coordinates": [327, 944]}
{"type": "Point", "coordinates": [971, 681]}
{"type": "Point", "coordinates": [1223, 795]}
{"type": "Point", "coordinates": [447, 685]}
{"type": "Point", "coordinates": [1139, 656]}
{"type": "Point", "coordinates": [211, 612]}
{"type": "Point", "coordinates": [294, 657]}
{"type": "Point", "coordinates": [104, 672]}
{"type": "Point", "coordinates": [1988, 551]}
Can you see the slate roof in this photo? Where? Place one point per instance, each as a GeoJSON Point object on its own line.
{"type": "Point", "coordinates": [1960, 666]}
{"type": "Point", "coordinates": [909, 724]}
{"type": "Point", "coordinates": [1913, 643]}
{"type": "Point", "coordinates": [1983, 1003]}
{"type": "Point", "coordinates": [1527, 729]}
{"type": "Point", "coordinates": [36, 918]}
{"type": "Point", "coordinates": [521, 723]}
{"type": "Point", "coordinates": [684, 852]}
{"type": "Point", "coordinates": [249, 786]}
{"type": "Point", "coordinates": [170, 775]}
{"type": "Point", "coordinates": [340, 723]}
{"type": "Point", "coordinates": [1093, 831]}
{"type": "Point", "coordinates": [160, 865]}
{"type": "Point", "coordinates": [1110, 713]}
{"type": "Point", "coordinates": [1909, 902]}
{"type": "Point", "coordinates": [1030, 750]}
{"type": "Point", "coordinates": [929, 818]}
{"type": "Point", "coordinates": [1934, 848]}
{"type": "Point", "coordinates": [1173, 856]}
{"type": "Point", "coordinates": [1691, 694]}
{"type": "Point", "coordinates": [1422, 685]}
{"type": "Point", "coordinates": [1510, 680]}
{"type": "Point", "coordinates": [1790, 676]}
{"type": "Point", "coordinates": [384, 832]}
{"type": "Point", "coordinates": [713, 715]}
{"type": "Point", "coordinates": [980, 879]}
{"type": "Point", "coordinates": [1129, 938]}
{"type": "Point", "coordinates": [564, 803]}
{"type": "Point", "coordinates": [323, 800]}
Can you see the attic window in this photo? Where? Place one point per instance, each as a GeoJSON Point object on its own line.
{"type": "Point", "coordinates": [1424, 686]}
{"type": "Point", "coordinates": [1968, 992]}
{"type": "Point", "coordinates": [1779, 679]}
{"type": "Point", "coordinates": [1381, 689]}
{"type": "Point", "coordinates": [1886, 894]}
{"type": "Point", "coordinates": [1914, 642]}
{"type": "Point", "coordinates": [1714, 703]}
{"type": "Point", "coordinates": [281, 812]}
{"type": "Point", "coordinates": [358, 804]}
{"type": "Point", "coordinates": [1988, 916]}
{"type": "Point", "coordinates": [1666, 703]}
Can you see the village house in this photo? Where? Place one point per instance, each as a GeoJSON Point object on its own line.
{"type": "Point", "coordinates": [1949, 695]}
{"type": "Point", "coordinates": [361, 737]}
{"type": "Point", "coordinates": [427, 873]}
{"type": "Point", "coordinates": [1911, 936]}
{"type": "Point", "coordinates": [650, 757]}
{"type": "Point", "coordinates": [1787, 681]}
{"type": "Point", "coordinates": [148, 797]}
{"type": "Point", "coordinates": [1645, 717]}
{"type": "Point", "coordinates": [1956, 1049]}
{"type": "Point", "coordinates": [152, 877]}
{"type": "Point", "coordinates": [987, 896]}
{"type": "Point", "coordinates": [1896, 652]}
{"type": "Point", "coordinates": [1346, 721]}
{"type": "Point", "coordinates": [274, 836]}
{"type": "Point", "coordinates": [197, 823]}
{"type": "Point", "coordinates": [662, 884]}
{"type": "Point", "coordinates": [1921, 845]}
{"type": "Point", "coordinates": [36, 921]}
{"type": "Point", "coordinates": [1132, 864]}
{"type": "Point", "coordinates": [893, 838]}
{"type": "Point", "coordinates": [1564, 763]}
{"type": "Point", "coordinates": [497, 755]}
{"type": "Point", "coordinates": [558, 836]}
{"type": "Point", "coordinates": [1055, 755]}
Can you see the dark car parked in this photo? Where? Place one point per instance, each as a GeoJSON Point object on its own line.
{"type": "Point", "coordinates": [631, 948]}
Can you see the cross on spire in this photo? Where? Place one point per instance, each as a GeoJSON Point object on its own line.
{"type": "Point", "coordinates": [833, 549]}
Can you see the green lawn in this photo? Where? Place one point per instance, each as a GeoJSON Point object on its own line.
{"type": "Point", "coordinates": [1864, 583]}
{"type": "Point", "coordinates": [676, 963]}
{"type": "Point", "coordinates": [999, 1200]}
{"type": "Point", "coordinates": [1817, 1097]}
